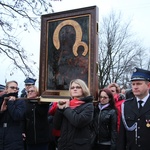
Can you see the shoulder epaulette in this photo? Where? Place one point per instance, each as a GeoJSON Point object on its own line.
{"type": "Point", "coordinates": [129, 99]}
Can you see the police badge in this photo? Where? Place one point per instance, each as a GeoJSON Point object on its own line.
{"type": "Point", "coordinates": [148, 123]}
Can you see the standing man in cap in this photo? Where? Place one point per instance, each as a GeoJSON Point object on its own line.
{"type": "Point", "coordinates": [135, 123]}
{"type": "Point", "coordinates": [29, 82]}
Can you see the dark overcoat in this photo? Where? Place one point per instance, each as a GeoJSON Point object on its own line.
{"type": "Point", "coordinates": [37, 127]}
{"type": "Point", "coordinates": [10, 125]}
{"type": "Point", "coordinates": [75, 127]}
{"type": "Point", "coordinates": [139, 138]}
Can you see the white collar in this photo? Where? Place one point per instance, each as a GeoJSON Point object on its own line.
{"type": "Point", "coordinates": [144, 99]}
{"type": "Point", "coordinates": [103, 106]}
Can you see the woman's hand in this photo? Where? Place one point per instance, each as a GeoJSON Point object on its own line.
{"type": "Point", "coordinates": [63, 104]}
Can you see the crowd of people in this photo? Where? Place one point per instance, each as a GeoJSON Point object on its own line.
{"type": "Point", "coordinates": [119, 120]}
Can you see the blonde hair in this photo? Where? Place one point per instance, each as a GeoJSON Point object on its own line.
{"type": "Point", "coordinates": [35, 88]}
{"type": "Point", "coordinates": [85, 89]}
{"type": "Point", "coordinates": [114, 85]}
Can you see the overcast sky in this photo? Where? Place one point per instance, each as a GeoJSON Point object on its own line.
{"type": "Point", "coordinates": [138, 11]}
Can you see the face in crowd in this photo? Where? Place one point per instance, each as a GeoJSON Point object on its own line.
{"type": "Point", "coordinates": [32, 92]}
{"type": "Point", "coordinates": [27, 86]}
{"type": "Point", "coordinates": [103, 98]}
{"type": "Point", "coordinates": [140, 88]}
{"type": "Point", "coordinates": [106, 96]}
{"type": "Point", "coordinates": [78, 89]}
{"type": "Point", "coordinates": [114, 88]}
{"type": "Point", "coordinates": [12, 87]}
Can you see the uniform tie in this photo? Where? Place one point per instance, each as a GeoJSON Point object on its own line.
{"type": "Point", "coordinates": [140, 105]}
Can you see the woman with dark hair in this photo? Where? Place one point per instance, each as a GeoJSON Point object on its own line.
{"type": "Point", "coordinates": [73, 118]}
{"type": "Point", "coordinates": [105, 121]}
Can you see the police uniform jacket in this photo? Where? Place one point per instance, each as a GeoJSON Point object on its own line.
{"type": "Point", "coordinates": [136, 137]}
{"type": "Point", "coordinates": [75, 126]}
{"type": "Point", "coordinates": [23, 93]}
{"type": "Point", "coordinates": [10, 125]}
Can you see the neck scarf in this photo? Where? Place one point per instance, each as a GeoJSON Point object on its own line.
{"type": "Point", "coordinates": [102, 106]}
{"type": "Point", "coordinates": [75, 103]}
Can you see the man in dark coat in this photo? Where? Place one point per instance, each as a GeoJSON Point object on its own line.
{"type": "Point", "coordinates": [135, 124]}
{"type": "Point", "coordinates": [12, 112]}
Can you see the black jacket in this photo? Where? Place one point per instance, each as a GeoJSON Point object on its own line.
{"type": "Point", "coordinates": [137, 139]}
{"type": "Point", "coordinates": [11, 135]}
{"type": "Point", "coordinates": [105, 123]}
{"type": "Point", "coordinates": [75, 126]}
{"type": "Point", "coordinates": [23, 93]}
{"type": "Point", "coordinates": [37, 127]}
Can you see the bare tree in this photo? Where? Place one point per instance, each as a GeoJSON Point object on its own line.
{"type": "Point", "coordinates": [119, 52]}
{"type": "Point", "coordinates": [148, 62]}
{"type": "Point", "coordinates": [16, 17]}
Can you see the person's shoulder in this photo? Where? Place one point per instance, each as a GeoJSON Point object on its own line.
{"type": "Point", "coordinates": [21, 100]}
{"type": "Point", "coordinates": [112, 110]}
{"type": "Point", "coordinates": [129, 100]}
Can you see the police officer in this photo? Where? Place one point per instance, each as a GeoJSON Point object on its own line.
{"type": "Point", "coordinates": [28, 83]}
{"type": "Point", "coordinates": [134, 131]}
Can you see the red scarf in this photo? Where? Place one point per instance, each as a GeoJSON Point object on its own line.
{"type": "Point", "coordinates": [75, 103]}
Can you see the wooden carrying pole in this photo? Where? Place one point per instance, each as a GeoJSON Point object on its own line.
{"type": "Point", "coordinates": [40, 99]}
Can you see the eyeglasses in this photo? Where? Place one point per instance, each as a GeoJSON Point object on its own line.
{"type": "Point", "coordinates": [31, 91]}
{"type": "Point", "coordinates": [13, 87]}
{"type": "Point", "coordinates": [104, 97]}
{"type": "Point", "coordinates": [77, 87]}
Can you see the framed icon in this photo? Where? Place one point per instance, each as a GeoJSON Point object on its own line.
{"type": "Point", "coordinates": [69, 50]}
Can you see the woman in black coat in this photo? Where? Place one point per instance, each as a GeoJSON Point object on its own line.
{"type": "Point", "coordinates": [105, 122]}
{"type": "Point", "coordinates": [73, 118]}
{"type": "Point", "coordinates": [37, 127]}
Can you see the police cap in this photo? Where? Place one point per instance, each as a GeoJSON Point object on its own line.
{"type": "Point", "coordinates": [29, 81]}
{"type": "Point", "coordinates": [140, 74]}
